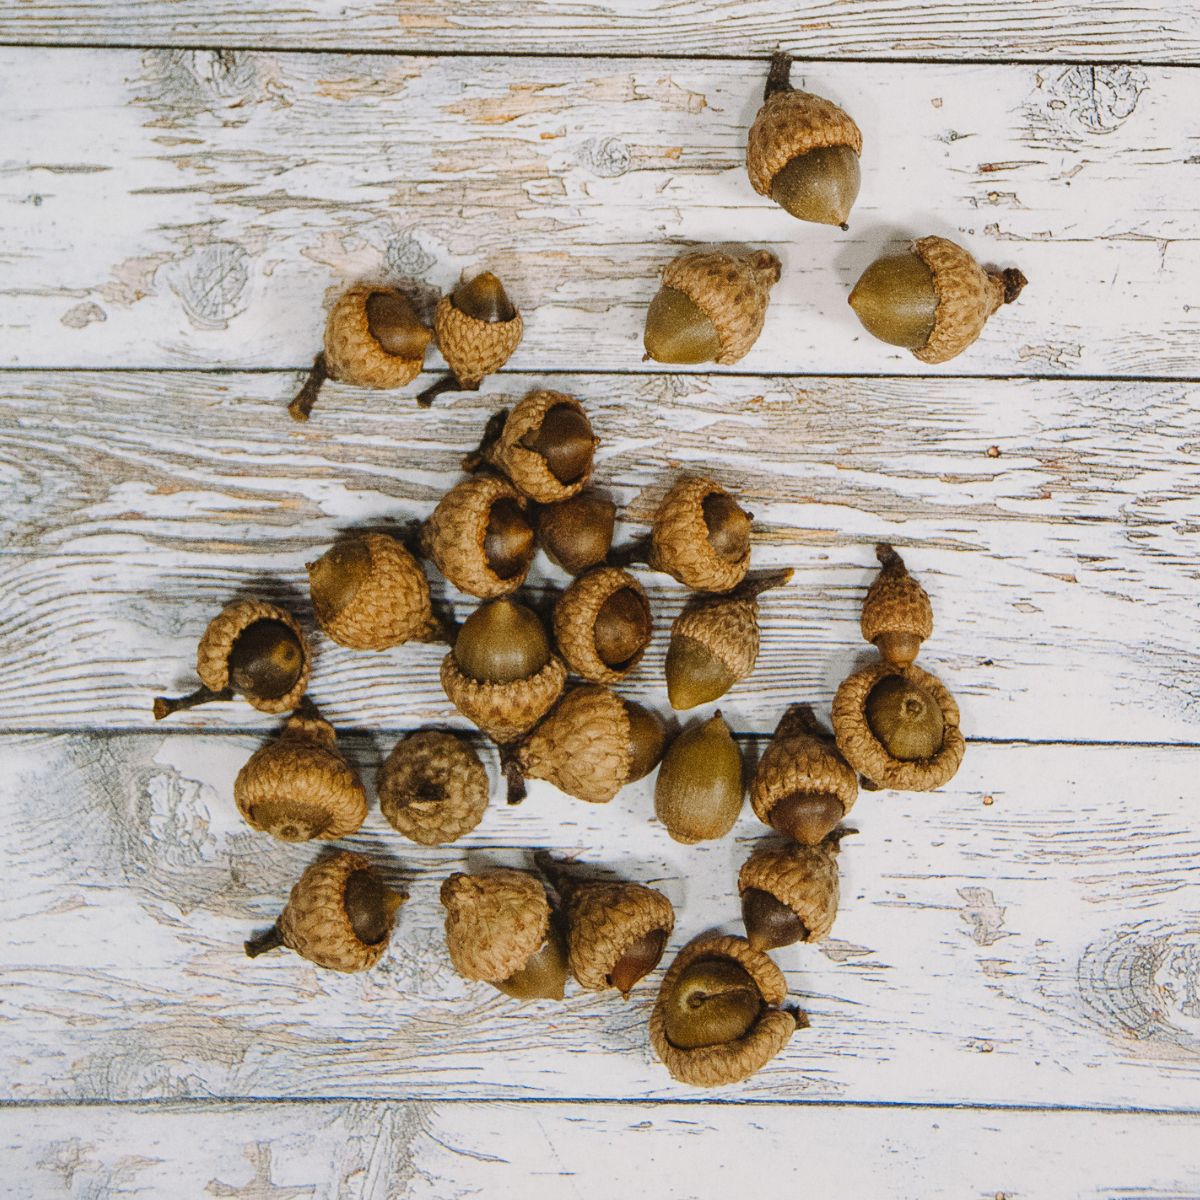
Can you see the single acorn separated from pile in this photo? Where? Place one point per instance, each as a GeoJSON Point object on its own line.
{"type": "Point", "coordinates": [897, 615]}
{"type": "Point", "coordinates": [577, 533]}
{"type": "Point", "coordinates": [500, 929]}
{"type": "Point", "coordinates": [477, 329]}
{"type": "Point", "coordinates": [719, 1017]}
{"type": "Point", "coordinates": [590, 746]}
{"type": "Point", "coordinates": [251, 649]}
{"type": "Point", "coordinates": [373, 338]}
{"type": "Point", "coordinates": [934, 299]}
{"type": "Point", "coordinates": [339, 916]}
{"type": "Point", "coordinates": [602, 624]}
{"type": "Point", "coordinates": [432, 787]}
{"type": "Point", "coordinates": [700, 787]}
{"type": "Point", "coordinates": [710, 307]}
{"type": "Point", "coordinates": [714, 643]}
{"type": "Point", "coordinates": [804, 151]}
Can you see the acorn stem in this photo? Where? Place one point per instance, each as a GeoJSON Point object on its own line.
{"type": "Point", "coordinates": [779, 77]}
{"type": "Point", "coordinates": [306, 397]}
{"type": "Point", "coordinates": [799, 1016]}
{"type": "Point", "coordinates": [800, 719]}
{"type": "Point", "coordinates": [514, 777]}
{"type": "Point", "coordinates": [554, 871]}
{"type": "Point", "coordinates": [448, 383]}
{"type": "Point", "coordinates": [272, 939]}
{"type": "Point", "coordinates": [888, 558]}
{"type": "Point", "coordinates": [164, 707]}
{"type": "Point", "coordinates": [758, 582]}
{"type": "Point", "coordinates": [1014, 281]}
{"type": "Point", "coordinates": [491, 435]}
{"type": "Point", "coordinates": [637, 551]}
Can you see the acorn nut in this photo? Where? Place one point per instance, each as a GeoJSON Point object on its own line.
{"type": "Point", "coordinates": [602, 624]}
{"type": "Point", "coordinates": [790, 894]}
{"type": "Point", "coordinates": [432, 787]}
{"type": "Point", "coordinates": [897, 616]}
{"type": "Point", "coordinates": [577, 533]}
{"type": "Point", "coordinates": [699, 790]}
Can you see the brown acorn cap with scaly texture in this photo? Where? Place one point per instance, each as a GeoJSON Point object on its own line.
{"type": "Point", "coordinates": [803, 787]}
{"type": "Point", "coordinates": [602, 624]}
{"type": "Point", "coordinates": [432, 787]}
{"type": "Point", "coordinates": [462, 527]}
{"type": "Point", "coordinates": [790, 893]}
{"type": "Point", "coordinates": [504, 711]}
{"type": "Point", "coordinates": [748, 1027]}
{"type": "Point", "coordinates": [477, 329]}
{"type": "Point", "coordinates": [935, 716]}
{"type": "Point", "coordinates": [897, 616]}
{"type": "Point", "coordinates": [298, 787]}
{"type": "Point", "coordinates": [339, 916]}
{"type": "Point", "coordinates": [701, 536]}
{"type": "Point", "coordinates": [369, 593]}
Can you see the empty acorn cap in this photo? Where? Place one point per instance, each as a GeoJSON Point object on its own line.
{"type": "Point", "coordinates": [602, 624]}
{"type": "Point", "coordinates": [495, 922]}
{"type": "Point", "coordinates": [476, 346]}
{"type": "Point", "coordinates": [897, 616]}
{"type": "Point", "coordinates": [698, 538]}
{"type": "Point", "coordinates": [801, 879]}
{"type": "Point", "coordinates": [577, 533]}
{"type": "Point", "coordinates": [699, 790]}
{"type": "Point", "coordinates": [432, 787]}
{"type": "Point", "coordinates": [361, 327]}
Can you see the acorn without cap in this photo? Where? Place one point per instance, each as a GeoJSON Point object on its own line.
{"type": "Point", "coordinates": [577, 533]}
{"type": "Point", "coordinates": [339, 916]}
{"type": "Point", "coordinates": [790, 893]}
{"type": "Point", "coordinates": [432, 787]}
{"type": "Point", "coordinates": [299, 787]}
{"type": "Point", "coordinates": [718, 1018]}
{"type": "Point", "coordinates": [590, 746]}
{"type": "Point", "coordinates": [803, 151]}
{"type": "Point", "coordinates": [251, 649]}
{"type": "Point", "coordinates": [602, 624]}
{"type": "Point", "coordinates": [501, 930]}
{"type": "Point", "coordinates": [897, 616]}
{"type": "Point", "coordinates": [933, 300]}
{"type": "Point", "coordinates": [710, 307]}
{"type": "Point", "coordinates": [616, 932]}
{"type": "Point", "coordinates": [700, 786]}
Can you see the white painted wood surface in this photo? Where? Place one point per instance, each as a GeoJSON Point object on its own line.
{"type": "Point", "coordinates": [233, 193]}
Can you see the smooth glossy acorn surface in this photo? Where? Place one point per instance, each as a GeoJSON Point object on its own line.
{"type": "Point", "coordinates": [394, 324]}
{"type": "Point", "coordinates": [638, 960]}
{"type": "Point", "coordinates": [807, 818]}
{"type": "Point", "coordinates": [896, 300]}
{"type": "Point", "coordinates": [714, 1002]}
{"type": "Point", "coordinates": [337, 575]}
{"type": "Point", "coordinates": [677, 331]}
{"type": "Point", "coordinates": [266, 660]}
{"type": "Point", "coordinates": [770, 924]}
{"type": "Point", "coordinates": [820, 186]}
{"type": "Point", "coordinates": [483, 298]}
{"type": "Point", "coordinates": [370, 906]}
{"type": "Point", "coordinates": [899, 649]}
{"type": "Point", "coordinates": [566, 441]}
{"type": "Point", "coordinates": [728, 526]}
{"type": "Point", "coordinates": [699, 790]}
{"type": "Point", "coordinates": [905, 718]}
{"type": "Point", "coordinates": [502, 642]}
{"type": "Point", "coordinates": [543, 977]}
{"type": "Point", "coordinates": [622, 628]}
{"type": "Point", "coordinates": [647, 739]}
{"type": "Point", "coordinates": [695, 675]}
{"type": "Point", "coordinates": [578, 533]}
{"type": "Point", "coordinates": [508, 544]}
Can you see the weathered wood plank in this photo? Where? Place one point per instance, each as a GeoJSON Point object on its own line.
{"type": "Point", "coordinates": [1040, 949]}
{"type": "Point", "coordinates": [237, 191]}
{"type": "Point", "coordinates": [133, 506]}
{"type": "Point", "coordinates": [1138, 30]}
{"type": "Point", "coordinates": [507, 1151]}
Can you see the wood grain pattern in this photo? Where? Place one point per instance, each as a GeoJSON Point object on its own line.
{"type": "Point", "coordinates": [1139, 30]}
{"type": "Point", "coordinates": [237, 192]}
{"type": "Point", "coordinates": [506, 1151]}
{"type": "Point", "coordinates": [1040, 949]}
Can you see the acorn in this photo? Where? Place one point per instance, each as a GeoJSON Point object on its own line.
{"type": "Point", "coordinates": [790, 893]}
{"type": "Point", "coordinates": [369, 593]}
{"type": "Point", "coordinates": [254, 650]}
{"type": "Point", "coordinates": [432, 787]}
{"type": "Point", "coordinates": [933, 300]}
{"type": "Point", "coordinates": [577, 533]}
{"type": "Point", "coordinates": [714, 643]}
{"type": "Point", "coordinates": [897, 616]}
{"type": "Point", "coordinates": [898, 728]}
{"type": "Point", "coordinates": [373, 338]}
{"type": "Point", "coordinates": [502, 673]}
{"type": "Point", "coordinates": [602, 624]}
{"type": "Point", "coordinates": [500, 929]}
{"type": "Point", "coordinates": [803, 151]}
{"type": "Point", "coordinates": [477, 329]}
{"type": "Point", "coordinates": [698, 793]}
{"type": "Point", "coordinates": [711, 307]}
{"type": "Point", "coordinates": [339, 916]}
{"type": "Point", "coordinates": [480, 536]}
{"type": "Point", "coordinates": [616, 932]}
{"type": "Point", "coordinates": [545, 446]}
{"type": "Point", "coordinates": [718, 1017]}
{"type": "Point", "coordinates": [298, 787]}
{"type": "Point", "coordinates": [590, 746]}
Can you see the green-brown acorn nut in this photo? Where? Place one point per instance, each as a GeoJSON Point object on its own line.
{"type": "Point", "coordinates": [897, 616]}
{"type": "Point", "coordinates": [905, 719]}
{"type": "Point", "coordinates": [790, 893]}
{"type": "Point", "coordinates": [577, 533]}
{"type": "Point", "coordinates": [252, 649]}
{"type": "Point", "coordinates": [700, 786]}
{"type": "Point", "coordinates": [803, 151]}
{"type": "Point", "coordinates": [432, 787]}
{"type": "Point", "coordinates": [934, 299]}
{"type": "Point", "coordinates": [602, 624]}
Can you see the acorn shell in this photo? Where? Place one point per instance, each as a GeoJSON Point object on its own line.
{"type": "Point", "coordinates": [315, 925]}
{"type": "Point", "coordinates": [867, 755]}
{"type": "Point", "coordinates": [715, 1066]}
{"type": "Point", "coordinates": [212, 655]}
{"type": "Point", "coordinates": [896, 602]}
{"type": "Point", "coordinates": [455, 533]}
{"type": "Point", "coordinates": [731, 290]}
{"type": "Point", "coordinates": [679, 542]}
{"type": "Point", "coordinates": [473, 348]}
{"type": "Point", "coordinates": [302, 770]}
{"type": "Point", "coordinates": [504, 711]}
{"type": "Point", "coordinates": [494, 922]}
{"type": "Point", "coordinates": [447, 763]}
{"type": "Point", "coordinates": [575, 616]}
{"type": "Point", "coordinates": [352, 353]}
{"type": "Point", "coordinates": [791, 123]}
{"type": "Point", "coordinates": [805, 878]}
{"type": "Point", "coordinates": [727, 629]}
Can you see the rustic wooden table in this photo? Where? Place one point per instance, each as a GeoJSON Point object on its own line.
{"type": "Point", "coordinates": [1010, 1006]}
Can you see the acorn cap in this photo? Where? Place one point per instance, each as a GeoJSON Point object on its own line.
{"type": "Point", "coordinates": [352, 352]}
{"type": "Point", "coordinates": [731, 290]}
{"type": "Point", "coordinates": [679, 543]}
{"type": "Point", "coordinates": [715, 1066]}
{"type": "Point", "coordinates": [867, 755]}
{"type": "Point", "coordinates": [805, 878]}
{"type": "Point", "coordinates": [299, 787]}
{"type": "Point", "coordinates": [212, 655]}
{"type": "Point", "coordinates": [504, 711]}
{"type": "Point", "coordinates": [791, 123]}
{"type": "Point", "coordinates": [725, 630]}
{"type": "Point", "coordinates": [896, 603]}
{"type": "Point", "coordinates": [455, 533]}
{"type": "Point", "coordinates": [575, 616]}
{"type": "Point", "coordinates": [432, 787]}
{"type": "Point", "coordinates": [315, 925]}
{"type": "Point", "coordinates": [389, 607]}
{"type": "Point", "coordinates": [494, 922]}
{"type": "Point", "coordinates": [473, 348]}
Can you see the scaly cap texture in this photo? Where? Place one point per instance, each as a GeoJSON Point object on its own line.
{"type": "Point", "coordinates": [805, 878]}
{"type": "Point", "coordinates": [575, 616]}
{"type": "Point", "coordinates": [728, 629]}
{"type": "Point", "coordinates": [967, 296]}
{"type": "Point", "coordinates": [791, 123]}
{"type": "Point", "coordinates": [896, 602]}
{"type": "Point", "coordinates": [679, 542]}
{"type": "Point", "coordinates": [494, 922]}
{"type": "Point", "coordinates": [212, 655]}
{"type": "Point", "coordinates": [526, 468]}
{"type": "Point", "coordinates": [474, 348]}
{"type": "Point", "coordinates": [352, 354]}
{"type": "Point", "coordinates": [432, 787]}
{"type": "Point", "coordinates": [504, 711]}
